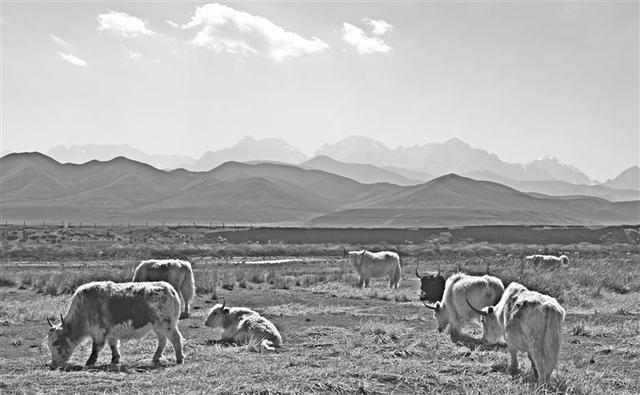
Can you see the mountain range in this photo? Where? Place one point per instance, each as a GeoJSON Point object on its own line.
{"type": "Point", "coordinates": [452, 156]}
{"type": "Point", "coordinates": [415, 163]}
{"type": "Point", "coordinates": [89, 152]}
{"type": "Point", "coordinates": [38, 188]}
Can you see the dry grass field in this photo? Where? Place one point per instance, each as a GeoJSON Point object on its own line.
{"type": "Point", "coordinates": [337, 338]}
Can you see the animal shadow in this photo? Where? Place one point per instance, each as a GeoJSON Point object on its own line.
{"type": "Point", "coordinates": [220, 342]}
{"type": "Point", "coordinates": [117, 368]}
{"type": "Point", "coordinates": [468, 341]}
{"type": "Point", "coordinates": [478, 344]}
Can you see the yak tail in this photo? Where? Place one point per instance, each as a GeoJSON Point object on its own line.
{"type": "Point", "coordinates": [395, 282]}
{"type": "Point", "coordinates": [188, 286]}
{"type": "Point", "coordinates": [551, 340]}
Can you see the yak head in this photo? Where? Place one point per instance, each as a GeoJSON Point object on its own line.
{"type": "Point", "coordinates": [218, 316]}
{"type": "Point", "coordinates": [431, 285]}
{"type": "Point", "coordinates": [60, 343]}
{"type": "Point", "coordinates": [440, 313]}
{"type": "Point", "coordinates": [492, 331]}
{"type": "Point", "coordinates": [355, 257]}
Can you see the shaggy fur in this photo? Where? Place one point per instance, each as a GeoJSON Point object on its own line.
{"type": "Point", "coordinates": [243, 325]}
{"type": "Point", "coordinates": [548, 261]}
{"type": "Point", "coordinates": [530, 322]}
{"type": "Point", "coordinates": [106, 311]}
{"type": "Point", "coordinates": [431, 285]}
{"type": "Point", "coordinates": [176, 272]}
{"type": "Point", "coordinates": [454, 310]}
{"type": "Point", "coordinates": [376, 264]}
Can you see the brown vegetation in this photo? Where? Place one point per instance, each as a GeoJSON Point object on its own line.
{"type": "Point", "coordinates": [337, 338]}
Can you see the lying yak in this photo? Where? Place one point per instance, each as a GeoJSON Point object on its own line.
{"type": "Point", "coordinates": [244, 326]}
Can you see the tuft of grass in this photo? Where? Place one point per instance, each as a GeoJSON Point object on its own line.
{"type": "Point", "coordinates": [7, 282]}
{"type": "Point", "coordinates": [383, 331]}
{"type": "Point", "coordinates": [580, 329]}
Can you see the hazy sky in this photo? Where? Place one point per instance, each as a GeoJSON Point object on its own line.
{"type": "Point", "coordinates": [520, 79]}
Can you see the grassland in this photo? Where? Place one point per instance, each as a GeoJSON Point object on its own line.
{"type": "Point", "coordinates": [338, 338]}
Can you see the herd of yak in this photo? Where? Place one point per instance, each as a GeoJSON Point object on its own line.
{"type": "Point", "coordinates": [162, 290]}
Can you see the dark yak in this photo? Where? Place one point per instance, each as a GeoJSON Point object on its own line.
{"type": "Point", "coordinates": [432, 285]}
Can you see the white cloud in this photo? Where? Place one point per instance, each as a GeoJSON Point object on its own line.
{"type": "Point", "coordinates": [72, 59]}
{"type": "Point", "coordinates": [363, 43]}
{"type": "Point", "coordinates": [131, 54]}
{"type": "Point", "coordinates": [224, 29]}
{"type": "Point", "coordinates": [379, 27]}
{"type": "Point", "coordinates": [123, 24]}
{"type": "Point", "coordinates": [172, 23]}
{"type": "Point", "coordinates": [58, 40]}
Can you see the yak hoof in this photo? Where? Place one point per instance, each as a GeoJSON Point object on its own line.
{"type": "Point", "coordinates": [184, 315]}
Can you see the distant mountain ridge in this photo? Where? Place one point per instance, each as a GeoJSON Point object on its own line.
{"type": "Point", "coordinates": [250, 149]}
{"type": "Point", "coordinates": [85, 153]}
{"type": "Point", "coordinates": [559, 188]}
{"type": "Point", "coordinates": [628, 179]}
{"type": "Point", "coordinates": [417, 163]}
{"type": "Point", "coordinates": [364, 173]}
{"type": "Point", "coordinates": [452, 156]}
{"type": "Point", "coordinates": [37, 188]}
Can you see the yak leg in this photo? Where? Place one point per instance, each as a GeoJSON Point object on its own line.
{"type": "Point", "coordinates": [185, 313]}
{"type": "Point", "coordinates": [176, 341]}
{"type": "Point", "coordinates": [533, 367]}
{"type": "Point", "coordinates": [162, 343]}
{"type": "Point", "coordinates": [514, 360]}
{"type": "Point", "coordinates": [115, 353]}
{"type": "Point", "coordinates": [96, 346]}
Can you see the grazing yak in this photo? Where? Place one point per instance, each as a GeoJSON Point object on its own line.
{"type": "Point", "coordinates": [454, 311]}
{"type": "Point", "coordinates": [376, 264]}
{"type": "Point", "coordinates": [534, 259]}
{"type": "Point", "coordinates": [243, 325]}
{"type": "Point", "coordinates": [107, 311]}
{"type": "Point", "coordinates": [554, 262]}
{"type": "Point", "coordinates": [547, 261]}
{"type": "Point", "coordinates": [431, 286]}
{"type": "Point", "coordinates": [529, 322]}
{"type": "Point", "coordinates": [176, 272]}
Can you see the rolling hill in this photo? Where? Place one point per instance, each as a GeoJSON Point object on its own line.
{"type": "Point", "coordinates": [559, 188]}
{"type": "Point", "coordinates": [364, 173]}
{"type": "Point", "coordinates": [456, 200]}
{"type": "Point", "coordinates": [38, 188]}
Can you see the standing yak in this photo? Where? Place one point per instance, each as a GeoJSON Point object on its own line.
{"type": "Point", "coordinates": [376, 264]}
{"type": "Point", "coordinates": [109, 312]}
{"type": "Point", "coordinates": [176, 272]}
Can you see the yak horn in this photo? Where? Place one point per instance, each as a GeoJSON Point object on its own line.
{"type": "Point", "coordinates": [429, 307]}
{"type": "Point", "coordinates": [417, 263]}
{"type": "Point", "coordinates": [50, 323]}
{"type": "Point", "coordinates": [476, 310]}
